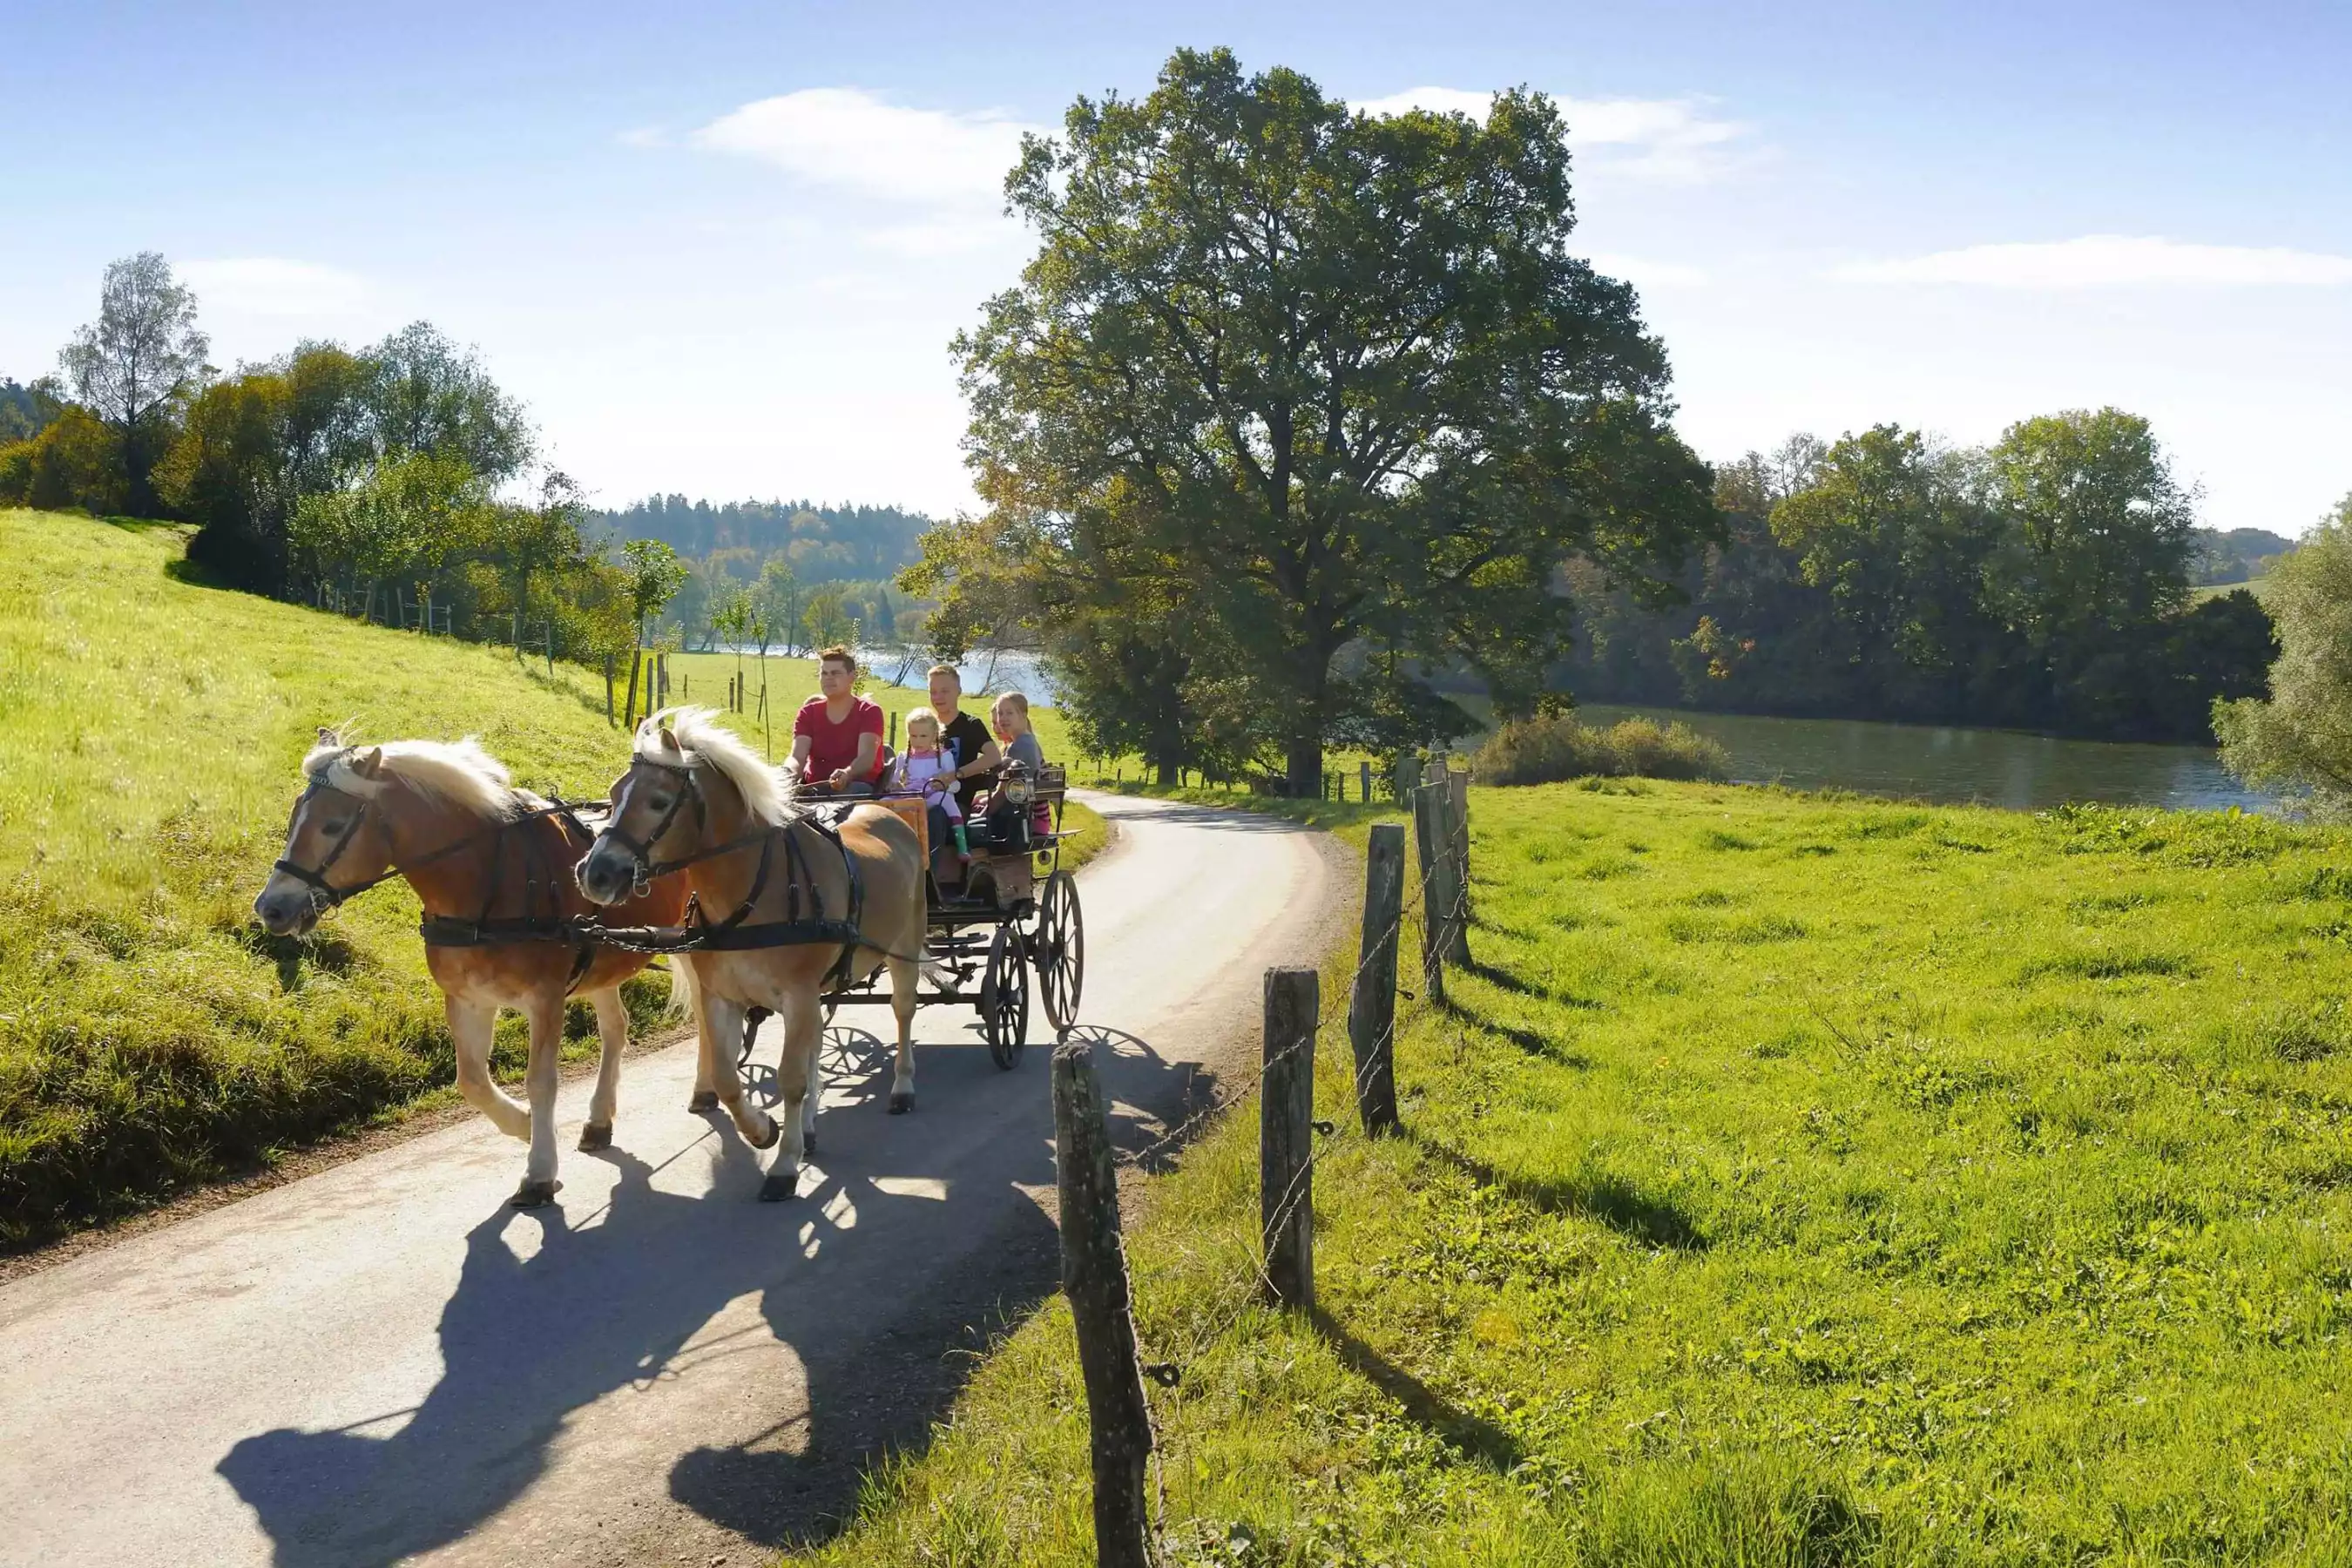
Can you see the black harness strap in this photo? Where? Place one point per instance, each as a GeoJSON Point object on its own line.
{"type": "Point", "coordinates": [736, 933]}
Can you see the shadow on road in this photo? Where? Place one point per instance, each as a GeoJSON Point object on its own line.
{"type": "Point", "coordinates": [553, 1312]}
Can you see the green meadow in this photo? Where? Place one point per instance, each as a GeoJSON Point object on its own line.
{"type": "Point", "coordinates": [1793, 1180]}
{"type": "Point", "coordinates": [151, 1037]}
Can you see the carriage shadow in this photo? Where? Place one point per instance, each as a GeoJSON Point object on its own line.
{"type": "Point", "coordinates": [553, 1312]}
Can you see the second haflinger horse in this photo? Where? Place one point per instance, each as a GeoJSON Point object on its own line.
{"type": "Point", "coordinates": [787, 906]}
{"type": "Point", "coordinates": [504, 924]}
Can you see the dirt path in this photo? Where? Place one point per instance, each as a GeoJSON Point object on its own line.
{"type": "Point", "coordinates": [382, 1362]}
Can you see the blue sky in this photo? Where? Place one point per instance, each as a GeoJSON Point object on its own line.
{"type": "Point", "coordinates": [720, 249]}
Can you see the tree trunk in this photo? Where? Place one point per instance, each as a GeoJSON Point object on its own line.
{"type": "Point", "coordinates": [1171, 775]}
{"type": "Point", "coordinates": [1303, 767]}
{"type": "Point", "coordinates": [629, 709]}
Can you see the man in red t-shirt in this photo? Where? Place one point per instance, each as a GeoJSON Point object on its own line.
{"type": "Point", "coordinates": [837, 734]}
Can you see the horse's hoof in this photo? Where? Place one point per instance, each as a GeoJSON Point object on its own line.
{"type": "Point", "coordinates": [902, 1103]}
{"type": "Point", "coordinates": [704, 1099]}
{"type": "Point", "coordinates": [775, 1132]}
{"type": "Point", "coordinates": [780, 1187]}
{"type": "Point", "coordinates": [535, 1194]}
{"type": "Point", "coordinates": [596, 1135]}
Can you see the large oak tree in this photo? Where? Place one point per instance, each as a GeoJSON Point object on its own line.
{"type": "Point", "coordinates": [1331, 379]}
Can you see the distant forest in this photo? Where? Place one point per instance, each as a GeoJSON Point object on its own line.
{"type": "Point", "coordinates": [820, 543]}
{"type": "Point", "coordinates": [813, 574]}
{"type": "Point", "coordinates": [2237, 555]}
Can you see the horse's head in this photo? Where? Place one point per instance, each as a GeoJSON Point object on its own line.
{"type": "Point", "coordinates": [336, 843]}
{"type": "Point", "coordinates": [658, 816]}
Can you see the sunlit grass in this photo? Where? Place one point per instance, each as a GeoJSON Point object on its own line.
{"type": "Point", "coordinates": [1795, 1180]}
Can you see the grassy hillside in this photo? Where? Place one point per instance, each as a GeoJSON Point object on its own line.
{"type": "Point", "coordinates": [151, 1036]}
{"type": "Point", "coordinates": [1798, 1180]}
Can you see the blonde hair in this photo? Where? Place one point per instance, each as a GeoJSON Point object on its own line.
{"type": "Point", "coordinates": [921, 716]}
{"type": "Point", "coordinates": [450, 772]}
{"type": "Point", "coordinates": [694, 737]}
{"type": "Point", "coordinates": [950, 671]}
{"type": "Point", "coordinates": [1015, 702]}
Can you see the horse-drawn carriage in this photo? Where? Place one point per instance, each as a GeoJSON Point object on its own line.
{"type": "Point", "coordinates": [762, 905]}
{"type": "Point", "coordinates": [1015, 911]}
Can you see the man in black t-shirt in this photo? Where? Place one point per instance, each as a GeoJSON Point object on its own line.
{"type": "Point", "coordinates": [975, 750]}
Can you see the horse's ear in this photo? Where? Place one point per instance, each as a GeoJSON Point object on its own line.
{"type": "Point", "coordinates": [669, 739]}
{"type": "Point", "coordinates": [371, 765]}
{"type": "Point", "coordinates": [327, 736]}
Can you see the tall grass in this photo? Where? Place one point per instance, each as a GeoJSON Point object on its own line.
{"type": "Point", "coordinates": [1549, 750]}
{"type": "Point", "coordinates": [1792, 1181]}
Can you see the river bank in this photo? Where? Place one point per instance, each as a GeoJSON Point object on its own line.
{"type": "Point", "coordinates": [2010, 768]}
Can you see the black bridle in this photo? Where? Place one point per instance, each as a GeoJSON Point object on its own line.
{"type": "Point", "coordinates": [643, 867]}
{"type": "Point", "coordinates": [325, 893]}
{"type": "Point", "coordinates": [328, 896]}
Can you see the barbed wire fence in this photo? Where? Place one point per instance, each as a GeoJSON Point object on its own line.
{"type": "Point", "coordinates": [1094, 1275]}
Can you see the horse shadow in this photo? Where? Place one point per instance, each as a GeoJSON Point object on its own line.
{"type": "Point", "coordinates": [551, 1314]}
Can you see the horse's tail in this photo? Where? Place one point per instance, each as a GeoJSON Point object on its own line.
{"type": "Point", "coordinates": [685, 1000]}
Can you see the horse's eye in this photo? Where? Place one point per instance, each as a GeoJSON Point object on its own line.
{"type": "Point", "coordinates": [331, 827]}
{"type": "Point", "coordinates": [657, 802]}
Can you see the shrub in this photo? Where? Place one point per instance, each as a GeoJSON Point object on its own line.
{"type": "Point", "coordinates": [75, 462]}
{"type": "Point", "coordinates": [1542, 751]}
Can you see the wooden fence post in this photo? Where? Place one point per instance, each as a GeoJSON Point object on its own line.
{"type": "Point", "coordinates": [1428, 816]}
{"type": "Point", "coordinates": [1408, 779]}
{"type": "Point", "coordinates": [1094, 1276]}
{"type": "Point", "coordinates": [1371, 1011]}
{"type": "Point", "coordinates": [1286, 1138]}
{"type": "Point", "coordinates": [1364, 781]}
{"type": "Point", "coordinates": [608, 689]}
{"type": "Point", "coordinates": [1457, 814]}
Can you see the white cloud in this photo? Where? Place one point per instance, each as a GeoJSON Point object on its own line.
{"type": "Point", "coordinates": [1670, 140]}
{"type": "Point", "coordinates": [1644, 273]}
{"type": "Point", "coordinates": [2108, 261]}
{"type": "Point", "coordinates": [853, 141]}
{"type": "Point", "coordinates": [274, 286]}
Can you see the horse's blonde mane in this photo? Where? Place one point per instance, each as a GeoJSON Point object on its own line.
{"type": "Point", "coordinates": [702, 739]}
{"type": "Point", "coordinates": [456, 774]}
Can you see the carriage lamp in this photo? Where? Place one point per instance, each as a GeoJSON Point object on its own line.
{"type": "Point", "coordinates": [1016, 785]}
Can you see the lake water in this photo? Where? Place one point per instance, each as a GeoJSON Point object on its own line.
{"type": "Point", "coordinates": [984, 673]}
{"type": "Point", "coordinates": [1998, 767]}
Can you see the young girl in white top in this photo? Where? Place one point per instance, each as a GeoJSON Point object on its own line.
{"type": "Point", "coordinates": [928, 771]}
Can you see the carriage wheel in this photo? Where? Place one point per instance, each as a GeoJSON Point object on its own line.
{"type": "Point", "coordinates": [759, 1081]}
{"type": "Point", "coordinates": [1061, 950]}
{"type": "Point", "coordinates": [1005, 997]}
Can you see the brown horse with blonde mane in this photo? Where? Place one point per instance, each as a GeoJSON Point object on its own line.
{"type": "Point", "coordinates": [503, 927]}
{"type": "Point", "coordinates": [787, 906]}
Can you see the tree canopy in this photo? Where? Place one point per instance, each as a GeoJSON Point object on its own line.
{"type": "Point", "coordinates": [2299, 739]}
{"type": "Point", "coordinates": [142, 357]}
{"type": "Point", "coordinates": [1283, 379]}
{"type": "Point", "coordinates": [2041, 582]}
